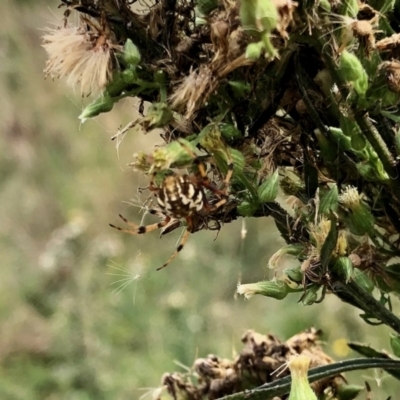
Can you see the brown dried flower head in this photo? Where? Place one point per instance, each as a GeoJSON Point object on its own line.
{"type": "Point", "coordinates": [82, 55]}
{"type": "Point", "coordinates": [193, 91]}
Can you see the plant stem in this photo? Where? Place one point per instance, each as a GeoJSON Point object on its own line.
{"type": "Point", "coordinates": [354, 294]}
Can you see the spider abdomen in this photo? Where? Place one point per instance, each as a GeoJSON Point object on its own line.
{"type": "Point", "coordinates": [180, 197]}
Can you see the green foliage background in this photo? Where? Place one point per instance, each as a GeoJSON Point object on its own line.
{"type": "Point", "coordinates": [65, 332]}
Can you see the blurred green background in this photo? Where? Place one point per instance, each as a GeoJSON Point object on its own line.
{"type": "Point", "coordinates": [68, 329]}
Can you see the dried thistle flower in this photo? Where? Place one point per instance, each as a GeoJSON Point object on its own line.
{"type": "Point", "coordinates": [392, 70]}
{"type": "Point", "coordinates": [82, 55]}
{"type": "Point", "coordinates": [193, 91]}
{"type": "Point", "coordinates": [390, 44]}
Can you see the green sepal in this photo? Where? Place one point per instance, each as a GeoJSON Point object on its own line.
{"type": "Point", "coordinates": [311, 295]}
{"type": "Point", "coordinates": [268, 191]}
{"type": "Point", "coordinates": [344, 267]}
{"type": "Point", "coordinates": [363, 280]}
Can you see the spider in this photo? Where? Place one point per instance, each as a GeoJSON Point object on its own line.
{"type": "Point", "coordinates": [182, 197]}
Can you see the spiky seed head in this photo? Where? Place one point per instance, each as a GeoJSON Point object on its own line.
{"type": "Point", "coordinates": [83, 57]}
{"type": "Point", "coordinates": [350, 198]}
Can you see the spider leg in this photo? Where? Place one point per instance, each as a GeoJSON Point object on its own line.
{"type": "Point", "coordinates": [140, 229]}
{"type": "Point", "coordinates": [206, 181]}
{"type": "Point", "coordinates": [218, 204]}
{"type": "Point", "coordinates": [229, 173]}
{"type": "Point", "coordinates": [182, 243]}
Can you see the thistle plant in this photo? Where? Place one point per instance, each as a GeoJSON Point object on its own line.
{"type": "Point", "coordinates": [301, 97]}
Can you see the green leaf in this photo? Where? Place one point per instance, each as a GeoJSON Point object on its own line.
{"type": "Point", "coordinates": [311, 180]}
{"type": "Point", "coordinates": [329, 202]}
{"type": "Point", "coordinates": [395, 344]}
{"type": "Point", "coordinates": [367, 351]}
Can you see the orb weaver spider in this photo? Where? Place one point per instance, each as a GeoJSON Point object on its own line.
{"type": "Point", "coordinates": [182, 197]}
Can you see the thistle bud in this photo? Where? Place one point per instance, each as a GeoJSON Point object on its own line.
{"type": "Point", "coordinates": [269, 189]}
{"type": "Point", "coordinates": [102, 104]}
{"type": "Point", "coordinates": [344, 268]}
{"type": "Point", "coordinates": [275, 289]}
{"type": "Point", "coordinates": [325, 5]}
{"type": "Point", "coordinates": [174, 154]}
{"type": "Point", "coordinates": [254, 50]}
{"type": "Point", "coordinates": [330, 201]}
{"type": "Point", "coordinates": [353, 71]}
{"type": "Point", "coordinates": [395, 344]}
{"type": "Point", "coordinates": [300, 388]}
{"type": "Point", "coordinates": [158, 115]}
{"type": "Point", "coordinates": [359, 218]}
{"type": "Point", "coordinates": [210, 138]}
{"type": "Point", "coordinates": [350, 66]}
{"type": "Point", "coordinates": [131, 53]}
